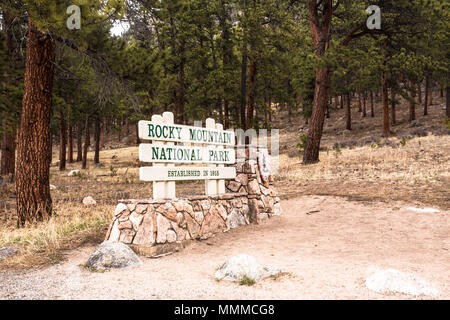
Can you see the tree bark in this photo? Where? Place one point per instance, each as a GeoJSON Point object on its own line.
{"type": "Point", "coordinates": [8, 146]}
{"type": "Point", "coordinates": [70, 143]}
{"type": "Point", "coordinates": [393, 115]}
{"type": "Point", "coordinates": [430, 92]}
{"type": "Point", "coordinates": [62, 141]}
{"type": "Point", "coordinates": [419, 91]}
{"type": "Point", "coordinates": [243, 103]}
{"type": "Point", "coordinates": [359, 103]}
{"type": "Point", "coordinates": [372, 106]}
{"type": "Point", "coordinates": [320, 33]}
{"type": "Point", "coordinates": [97, 139]}
{"type": "Point", "coordinates": [427, 91]}
{"type": "Point", "coordinates": [87, 142]}
{"type": "Point", "coordinates": [34, 202]}
{"type": "Point", "coordinates": [412, 103]}
{"type": "Point", "coordinates": [364, 104]}
{"type": "Point", "coordinates": [384, 93]}
{"type": "Point", "coordinates": [252, 91]}
{"type": "Point", "coordinates": [447, 102]}
{"type": "Point", "coordinates": [348, 112]}
{"type": "Point", "coordinates": [79, 142]}
{"type": "Point", "coordinates": [8, 143]}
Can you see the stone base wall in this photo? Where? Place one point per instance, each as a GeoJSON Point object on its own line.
{"type": "Point", "coordinates": [157, 227]}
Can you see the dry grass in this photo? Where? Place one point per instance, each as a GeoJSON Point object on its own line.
{"type": "Point", "coordinates": [419, 171]}
{"type": "Point", "coordinates": [74, 224]}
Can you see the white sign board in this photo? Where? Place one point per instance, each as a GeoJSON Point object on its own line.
{"type": "Point", "coordinates": [181, 154]}
{"type": "Point", "coordinates": [199, 146]}
{"type": "Point", "coordinates": [185, 173]}
{"type": "Point", "coordinates": [149, 130]}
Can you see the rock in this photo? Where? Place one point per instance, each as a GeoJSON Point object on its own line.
{"type": "Point", "coordinates": [242, 179]}
{"type": "Point", "coordinates": [7, 252]}
{"type": "Point", "coordinates": [125, 225]}
{"type": "Point", "coordinates": [391, 280]}
{"type": "Point", "coordinates": [180, 233]}
{"type": "Point", "coordinates": [233, 186]}
{"type": "Point", "coordinates": [74, 173]}
{"type": "Point", "coordinates": [99, 165]}
{"type": "Point", "coordinates": [193, 227]}
{"type": "Point", "coordinates": [52, 187]}
{"type": "Point", "coordinates": [235, 219]}
{"type": "Point", "coordinates": [145, 234]}
{"type": "Point", "coordinates": [168, 211]}
{"type": "Point", "coordinates": [89, 201]}
{"type": "Point", "coordinates": [115, 232]}
{"type": "Point", "coordinates": [277, 209]}
{"type": "Point", "coordinates": [127, 235]}
{"type": "Point", "coordinates": [171, 236]}
{"type": "Point", "coordinates": [136, 219]}
{"type": "Point", "coordinates": [178, 205]}
{"type": "Point", "coordinates": [240, 266]}
{"type": "Point", "coordinates": [121, 207]}
{"type": "Point", "coordinates": [162, 226]}
{"type": "Point", "coordinates": [112, 254]}
{"type": "Point", "coordinates": [253, 187]}
{"type": "Point", "coordinates": [424, 210]}
{"type": "Point", "coordinates": [198, 216]}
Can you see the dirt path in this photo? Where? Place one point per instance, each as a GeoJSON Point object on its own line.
{"type": "Point", "coordinates": [329, 253]}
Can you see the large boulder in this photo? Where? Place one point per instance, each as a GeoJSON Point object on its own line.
{"type": "Point", "coordinates": [111, 254]}
{"type": "Point", "coordinates": [391, 280]}
{"type": "Point", "coordinates": [241, 266]}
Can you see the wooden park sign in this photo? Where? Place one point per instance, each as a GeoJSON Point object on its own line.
{"type": "Point", "coordinates": [173, 144]}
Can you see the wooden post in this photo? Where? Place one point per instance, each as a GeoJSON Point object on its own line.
{"type": "Point", "coordinates": [159, 187]}
{"type": "Point", "coordinates": [210, 185]}
{"type": "Point", "coordinates": [220, 183]}
{"type": "Point", "coordinates": [168, 118]}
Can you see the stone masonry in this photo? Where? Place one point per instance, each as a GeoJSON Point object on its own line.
{"type": "Point", "coordinates": [157, 227]}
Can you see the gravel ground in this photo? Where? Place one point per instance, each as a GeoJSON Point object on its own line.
{"type": "Point", "coordinates": [329, 245]}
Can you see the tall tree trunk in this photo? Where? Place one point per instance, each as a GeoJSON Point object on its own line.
{"type": "Point", "coordinates": [97, 139]}
{"type": "Point", "coordinates": [348, 112]}
{"type": "Point", "coordinates": [252, 91]}
{"type": "Point", "coordinates": [364, 104]}
{"type": "Point", "coordinates": [427, 92]}
{"type": "Point", "coordinates": [102, 135]}
{"type": "Point", "coordinates": [62, 141]}
{"type": "Point", "coordinates": [34, 202]}
{"type": "Point", "coordinates": [430, 92]}
{"type": "Point", "coordinates": [342, 101]}
{"type": "Point", "coordinates": [79, 142]}
{"type": "Point", "coordinates": [138, 141]}
{"type": "Point", "coordinates": [372, 105]}
{"type": "Point", "coordinates": [419, 91]}
{"type": "Point", "coordinates": [447, 102]}
{"type": "Point", "coordinates": [87, 142]}
{"type": "Point", "coordinates": [393, 115]}
{"type": "Point", "coordinates": [384, 93]}
{"type": "Point", "coordinates": [8, 143]}
{"type": "Point", "coordinates": [412, 103]}
{"type": "Point", "coordinates": [180, 90]}
{"type": "Point", "coordinates": [70, 143]}
{"type": "Point", "coordinates": [243, 103]}
{"type": "Point", "coordinates": [8, 146]}
{"type": "Point", "coordinates": [359, 103]}
{"type": "Point", "coordinates": [320, 34]}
